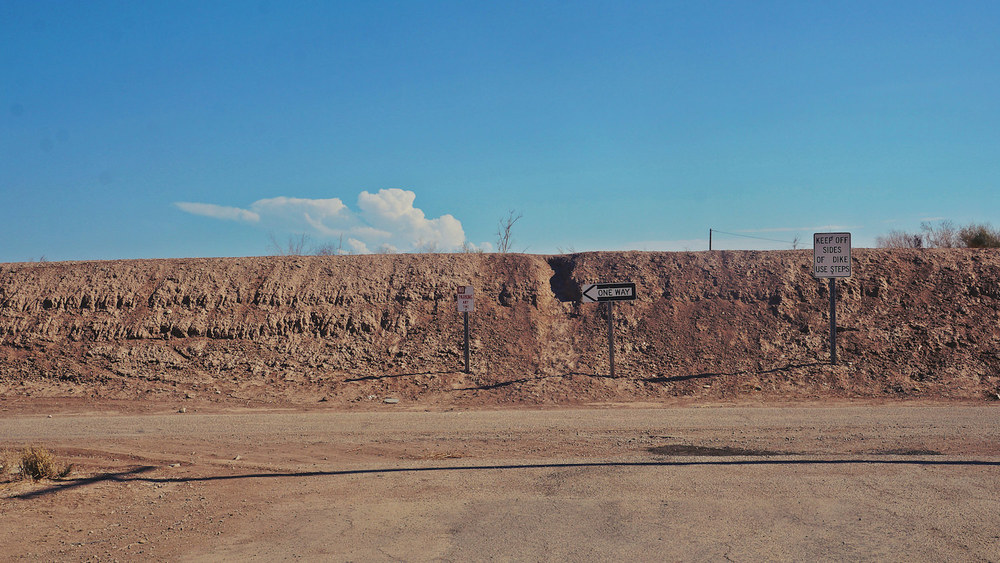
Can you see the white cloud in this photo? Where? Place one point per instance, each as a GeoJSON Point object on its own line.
{"type": "Point", "coordinates": [357, 246]}
{"type": "Point", "coordinates": [294, 207]}
{"type": "Point", "coordinates": [834, 228]}
{"type": "Point", "coordinates": [481, 247]}
{"type": "Point", "coordinates": [384, 220]}
{"type": "Point", "coordinates": [371, 233]}
{"type": "Point", "coordinates": [218, 211]}
{"type": "Point", "coordinates": [392, 210]}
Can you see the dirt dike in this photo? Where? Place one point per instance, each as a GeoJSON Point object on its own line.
{"type": "Point", "coordinates": [357, 330]}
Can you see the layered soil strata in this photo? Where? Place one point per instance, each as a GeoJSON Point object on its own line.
{"type": "Point", "coordinates": [355, 330]}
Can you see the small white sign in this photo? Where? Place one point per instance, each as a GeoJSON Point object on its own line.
{"type": "Point", "coordinates": [466, 302]}
{"type": "Point", "coordinates": [832, 255]}
{"type": "Point", "coordinates": [600, 292]}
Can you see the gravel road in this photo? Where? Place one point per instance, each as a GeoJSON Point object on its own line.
{"type": "Point", "coordinates": [847, 482]}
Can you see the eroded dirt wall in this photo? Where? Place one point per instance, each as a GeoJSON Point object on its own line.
{"type": "Point", "coordinates": [718, 324]}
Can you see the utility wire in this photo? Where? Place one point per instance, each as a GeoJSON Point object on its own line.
{"type": "Point", "coordinates": [749, 236]}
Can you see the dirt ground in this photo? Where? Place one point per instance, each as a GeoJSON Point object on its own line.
{"type": "Point", "coordinates": [861, 481]}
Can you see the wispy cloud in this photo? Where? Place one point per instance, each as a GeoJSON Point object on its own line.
{"type": "Point", "coordinates": [385, 220]}
{"type": "Point", "coordinates": [682, 245]}
{"type": "Point", "coordinates": [819, 229]}
{"type": "Point", "coordinates": [218, 211]}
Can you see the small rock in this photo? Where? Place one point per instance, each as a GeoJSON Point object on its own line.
{"type": "Point", "coordinates": [188, 396]}
{"type": "Point", "coordinates": [50, 416]}
{"type": "Point", "coordinates": [391, 401]}
{"type": "Point", "coordinates": [175, 465]}
{"type": "Point", "coordinates": [237, 458]}
{"type": "Point", "coordinates": [182, 410]}
{"type": "Point", "coordinates": [323, 400]}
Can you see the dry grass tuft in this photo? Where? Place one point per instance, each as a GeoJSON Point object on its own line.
{"type": "Point", "coordinates": [38, 463]}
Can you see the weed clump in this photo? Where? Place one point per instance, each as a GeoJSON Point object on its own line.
{"type": "Point", "coordinates": [37, 463]}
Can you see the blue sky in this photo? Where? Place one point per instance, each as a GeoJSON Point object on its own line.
{"type": "Point", "coordinates": [177, 129]}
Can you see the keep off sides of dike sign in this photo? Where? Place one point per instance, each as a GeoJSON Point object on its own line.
{"type": "Point", "coordinates": [832, 255]}
{"type": "Point", "coordinates": [832, 260]}
{"type": "Point", "coordinates": [466, 304]}
{"type": "Point", "coordinates": [466, 301]}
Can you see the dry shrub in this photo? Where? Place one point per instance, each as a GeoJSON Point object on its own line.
{"type": "Point", "coordinates": [900, 239]}
{"type": "Point", "coordinates": [38, 463]}
{"type": "Point", "coordinates": [943, 235]}
{"type": "Point", "coordinates": [980, 235]}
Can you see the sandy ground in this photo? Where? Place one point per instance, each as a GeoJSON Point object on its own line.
{"type": "Point", "coordinates": [850, 481]}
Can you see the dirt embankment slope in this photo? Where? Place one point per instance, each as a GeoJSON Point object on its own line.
{"type": "Point", "coordinates": [721, 325]}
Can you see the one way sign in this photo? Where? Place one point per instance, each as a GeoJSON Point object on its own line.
{"type": "Point", "coordinates": [600, 292]}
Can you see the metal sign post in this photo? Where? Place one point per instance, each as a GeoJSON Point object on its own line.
{"type": "Point", "coordinates": [611, 336]}
{"type": "Point", "coordinates": [468, 368]}
{"type": "Point", "coordinates": [832, 259]}
{"type": "Point", "coordinates": [609, 293]}
{"type": "Point", "coordinates": [833, 321]}
{"type": "Point", "coordinates": [466, 303]}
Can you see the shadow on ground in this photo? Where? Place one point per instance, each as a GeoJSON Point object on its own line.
{"type": "Point", "coordinates": [769, 458]}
